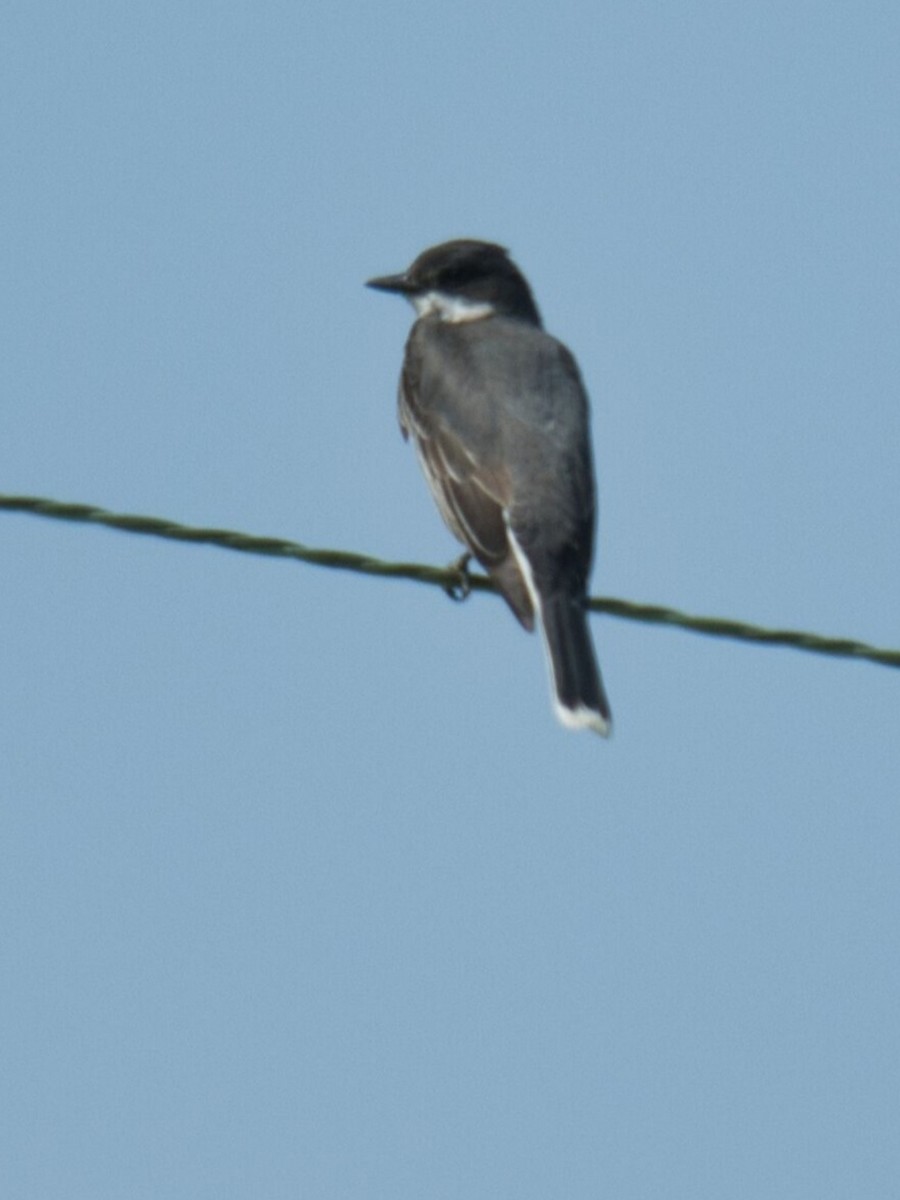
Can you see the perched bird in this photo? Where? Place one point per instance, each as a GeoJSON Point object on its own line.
{"type": "Point", "coordinates": [499, 418]}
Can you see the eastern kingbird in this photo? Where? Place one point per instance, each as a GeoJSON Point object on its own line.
{"type": "Point", "coordinates": [499, 419]}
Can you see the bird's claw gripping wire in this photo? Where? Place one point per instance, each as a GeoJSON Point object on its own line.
{"type": "Point", "coordinates": [459, 588]}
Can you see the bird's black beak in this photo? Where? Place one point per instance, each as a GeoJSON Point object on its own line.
{"type": "Point", "coordinates": [391, 283]}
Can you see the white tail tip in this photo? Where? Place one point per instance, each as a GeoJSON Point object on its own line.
{"type": "Point", "coordinates": [582, 718]}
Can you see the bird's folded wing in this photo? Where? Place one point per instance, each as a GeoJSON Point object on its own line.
{"type": "Point", "coordinates": [470, 497]}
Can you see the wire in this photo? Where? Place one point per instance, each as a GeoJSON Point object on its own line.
{"type": "Point", "coordinates": [452, 579]}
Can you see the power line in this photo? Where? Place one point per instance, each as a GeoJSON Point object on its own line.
{"type": "Point", "coordinates": [449, 578]}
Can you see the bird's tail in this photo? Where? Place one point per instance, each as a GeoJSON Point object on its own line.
{"type": "Point", "coordinates": [578, 696]}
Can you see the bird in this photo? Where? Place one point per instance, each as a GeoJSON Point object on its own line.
{"type": "Point", "coordinates": [499, 417]}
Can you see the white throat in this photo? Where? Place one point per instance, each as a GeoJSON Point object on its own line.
{"type": "Point", "coordinates": [451, 308]}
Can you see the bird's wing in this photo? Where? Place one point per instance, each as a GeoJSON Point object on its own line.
{"type": "Point", "coordinates": [472, 493]}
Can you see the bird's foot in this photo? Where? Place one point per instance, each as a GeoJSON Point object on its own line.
{"type": "Point", "coordinates": [461, 586]}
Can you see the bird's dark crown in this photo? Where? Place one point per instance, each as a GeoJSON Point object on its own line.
{"type": "Point", "coordinates": [478, 273]}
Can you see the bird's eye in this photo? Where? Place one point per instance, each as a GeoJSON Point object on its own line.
{"type": "Point", "coordinates": [459, 274]}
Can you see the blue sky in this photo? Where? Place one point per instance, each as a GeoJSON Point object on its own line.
{"type": "Point", "coordinates": [305, 893]}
